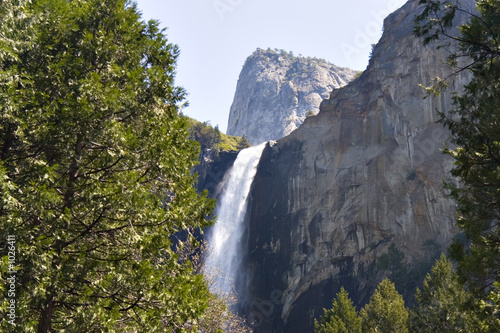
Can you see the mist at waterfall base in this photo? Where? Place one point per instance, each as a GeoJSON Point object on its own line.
{"type": "Point", "coordinates": [226, 236]}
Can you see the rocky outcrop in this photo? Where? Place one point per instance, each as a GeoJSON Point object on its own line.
{"type": "Point", "coordinates": [357, 182]}
{"type": "Point", "coordinates": [276, 91]}
{"type": "Point", "coordinates": [213, 166]}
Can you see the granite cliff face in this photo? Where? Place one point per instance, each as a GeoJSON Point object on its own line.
{"type": "Point", "coordinates": [276, 90]}
{"type": "Point", "coordinates": [351, 186]}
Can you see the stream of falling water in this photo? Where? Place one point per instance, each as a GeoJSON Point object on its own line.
{"type": "Point", "coordinates": [225, 237]}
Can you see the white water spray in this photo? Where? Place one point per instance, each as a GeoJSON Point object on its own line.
{"type": "Point", "coordinates": [225, 237]}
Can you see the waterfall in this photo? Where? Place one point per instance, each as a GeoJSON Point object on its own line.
{"type": "Point", "coordinates": [225, 237]}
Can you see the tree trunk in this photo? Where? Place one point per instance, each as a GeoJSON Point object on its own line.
{"type": "Point", "coordinates": [8, 141]}
{"type": "Point", "coordinates": [46, 316]}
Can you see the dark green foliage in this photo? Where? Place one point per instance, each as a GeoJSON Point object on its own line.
{"type": "Point", "coordinates": [95, 171]}
{"type": "Point", "coordinates": [490, 315]}
{"type": "Point", "coordinates": [207, 136]}
{"type": "Point", "coordinates": [386, 311]}
{"type": "Point", "coordinates": [442, 302]}
{"type": "Point", "coordinates": [341, 318]}
{"type": "Point", "coordinates": [393, 263]}
{"type": "Point", "coordinates": [474, 126]}
{"type": "Point", "coordinates": [435, 20]}
{"type": "Point", "coordinates": [446, 305]}
{"type": "Point", "coordinates": [430, 251]}
{"type": "Point", "coordinates": [243, 143]}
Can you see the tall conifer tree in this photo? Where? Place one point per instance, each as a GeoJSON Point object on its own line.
{"type": "Point", "coordinates": [386, 311]}
{"type": "Point", "coordinates": [341, 318]}
{"type": "Point", "coordinates": [95, 171]}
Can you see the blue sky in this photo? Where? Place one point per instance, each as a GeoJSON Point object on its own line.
{"type": "Point", "coordinates": [216, 36]}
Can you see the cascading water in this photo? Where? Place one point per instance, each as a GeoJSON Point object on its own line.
{"type": "Point", "coordinates": [224, 239]}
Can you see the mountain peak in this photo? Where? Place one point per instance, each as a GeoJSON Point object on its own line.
{"type": "Point", "coordinates": [276, 90]}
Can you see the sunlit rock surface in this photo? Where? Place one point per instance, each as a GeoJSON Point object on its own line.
{"type": "Point", "coordinates": [276, 90]}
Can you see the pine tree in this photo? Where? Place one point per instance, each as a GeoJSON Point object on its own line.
{"type": "Point", "coordinates": [489, 310]}
{"type": "Point", "coordinates": [217, 135]}
{"type": "Point", "coordinates": [386, 311]}
{"type": "Point", "coordinates": [95, 171]}
{"type": "Point", "coordinates": [341, 318]}
{"type": "Point", "coordinates": [442, 302]}
{"type": "Point", "coordinates": [243, 143]}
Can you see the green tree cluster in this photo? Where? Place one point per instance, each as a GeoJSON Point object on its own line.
{"type": "Point", "coordinates": [207, 136]}
{"type": "Point", "coordinates": [95, 171]}
{"type": "Point", "coordinates": [386, 312]}
{"type": "Point", "coordinates": [212, 138]}
{"type": "Point", "coordinates": [442, 305]}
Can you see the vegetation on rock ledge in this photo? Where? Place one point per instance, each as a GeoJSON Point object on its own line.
{"type": "Point", "coordinates": [212, 138]}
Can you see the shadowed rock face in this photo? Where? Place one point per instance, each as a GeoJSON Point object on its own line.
{"type": "Point", "coordinates": [213, 166]}
{"type": "Point", "coordinates": [276, 90]}
{"type": "Point", "coordinates": [364, 174]}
